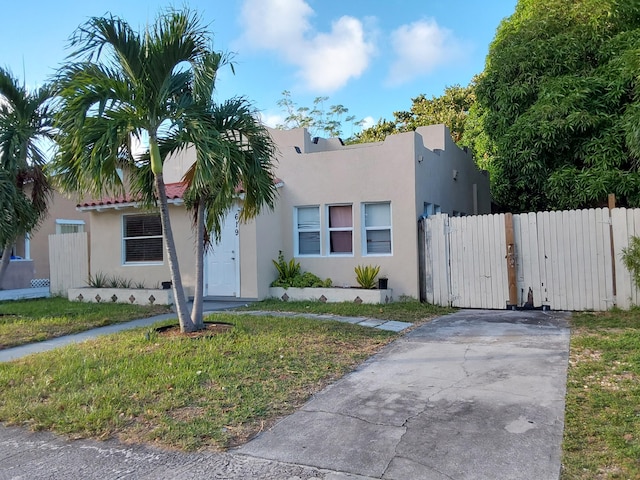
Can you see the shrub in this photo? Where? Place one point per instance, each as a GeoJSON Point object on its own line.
{"type": "Point", "coordinates": [99, 280]}
{"type": "Point", "coordinates": [631, 259]}
{"type": "Point", "coordinates": [290, 275]}
{"type": "Point", "coordinates": [366, 275]}
{"type": "Point", "coordinates": [286, 270]}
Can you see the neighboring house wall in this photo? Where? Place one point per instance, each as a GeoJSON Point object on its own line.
{"type": "Point", "coordinates": [62, 217]}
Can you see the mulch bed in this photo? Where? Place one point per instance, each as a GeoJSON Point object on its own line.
{"type": "Point", "coordinates": [210, 329]}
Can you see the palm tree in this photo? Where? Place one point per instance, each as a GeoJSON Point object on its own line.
{"type": "Point", "coordinates": [25, 123]}
{"type": "Point", "coordinates": [240, 157]}
{"type": "Point", "coordinates": [121, 84]}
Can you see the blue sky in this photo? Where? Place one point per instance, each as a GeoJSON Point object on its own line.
{"type": "Point", "coordinates": [371, 56]}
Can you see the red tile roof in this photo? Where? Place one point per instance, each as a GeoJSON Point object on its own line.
{"type": "Point", "coordinates": [175, 191]}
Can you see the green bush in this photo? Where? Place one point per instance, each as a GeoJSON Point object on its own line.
{"type": "Point", "coordinates": [631, 259]}
{"type": "Point", "coordinates": [366, 275]}
{"type": "Point", "coordinates": [287, 271]}
{"type": "Point", "coordinates": [290, 275]}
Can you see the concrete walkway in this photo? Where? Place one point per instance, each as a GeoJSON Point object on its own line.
{"type": "Point", "coordinates": [210, 307]}
{"type": "Point", "coordinates": [472, 395]}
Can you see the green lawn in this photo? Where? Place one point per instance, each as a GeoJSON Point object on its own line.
{"type": "Point", "coordinates": [188, 393]}
{"type": "Point", "coordinates": [27, 321]}
{"type": "Point", "coordinates": [602, 416]}
{"type": "Point", "coordinates": [404, 311]}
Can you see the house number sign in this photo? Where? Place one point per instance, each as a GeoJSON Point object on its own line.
{"type": "Point", "coordinates": [237, 217]}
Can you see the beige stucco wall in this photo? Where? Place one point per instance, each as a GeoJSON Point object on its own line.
{"type": "Point", "coordinates": [106, 236]}
{"type": "Point", "coordinates": [60, 208]}
{"type": "Point", "coordinates": [406, 170]}
{"type": "Point", "coordinates": [260, 241]}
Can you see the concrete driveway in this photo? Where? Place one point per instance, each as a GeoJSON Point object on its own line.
{"type": "Point", "coordinates": [473, 395]}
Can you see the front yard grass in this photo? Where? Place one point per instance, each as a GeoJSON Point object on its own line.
{"type": "Point", "coordinates": [27, 321]}
{"type": "Point", "coordinates": [187, 393]}
{"type": "Point", "coordinates": [602, 416]}
{"type": "Point", "coordinates": [404, 311]}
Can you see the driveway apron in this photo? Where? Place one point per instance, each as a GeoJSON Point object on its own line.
{"type": "Point", "coordinates": [472, 395]}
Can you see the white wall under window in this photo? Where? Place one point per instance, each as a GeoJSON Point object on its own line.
{"type": "Point", "coordinates": [306, 223]}
{"type": "Point", "coordinates": [377, 232]}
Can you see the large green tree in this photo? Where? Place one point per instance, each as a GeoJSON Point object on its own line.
{"type": "Point", "coordinates": [560, 98]}
{"type": "Point", "coordinates": [25, 127]}
{"type": "Point", "coordinates": [451, 108]}
{"type": "Point", "coordinates": [121, 84]}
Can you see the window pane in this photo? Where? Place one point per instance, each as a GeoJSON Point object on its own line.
{"type": "Point", "coordinates": [378, 241]}
{"type": "Point", "coordinates": [309, 243]}
{"type": "Point", "coordinates": [377, 215]}
{"type": "Point", "coordinates": [309, 218]}
{"type": "Point", "coordinates": [70, 228]}
{"type": "Point", "coordinates": [340, 242]}
{"type": "Point", "coordinates": [144, 250]}
{"type": "Point", "coordinates": [142, 226]}
{"type": "Point", "coordinates": [340, 216]}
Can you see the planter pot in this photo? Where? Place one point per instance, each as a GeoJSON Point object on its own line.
{"type": "Point", "coordinates": [135, 296]}
{"type": "Point", "coordinates": [333, 295]}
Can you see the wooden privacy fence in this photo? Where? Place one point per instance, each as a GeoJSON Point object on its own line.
{"type": "Point", "coordinates": [569, 260]}
{"type": "Point", "coordinates": [68, 262]}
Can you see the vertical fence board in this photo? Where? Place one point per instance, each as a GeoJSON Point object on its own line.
{"type": "Point", "coordinates": [564, 257]}
{"type": "Point", "coordinates": [500, 265]}
{"type": "Point", "coordinates": [485, 275]}
{"type": "Point", "coordinates": [457, 261]}
{"type": "Point", "coordinates": [542, 255]}
{"type": "Point", "coordinates": [621, 241]}
{"type": "Point", "coordinates": [68, 261]}
{"type": "Point", "coordinates": [635, 294]}
{"type": "Point", "coordinates": [607, 248]}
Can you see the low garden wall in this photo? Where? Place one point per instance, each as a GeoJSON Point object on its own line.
{"type": "Point", "coordinates": [135, 296]}
{"type": "Point", "coordinates": [333, 295]}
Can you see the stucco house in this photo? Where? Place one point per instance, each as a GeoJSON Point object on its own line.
{"type": "Point", "coordinates": [338, 206]}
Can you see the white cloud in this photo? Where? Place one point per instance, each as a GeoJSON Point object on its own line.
{"type": "Point", "coordinates": [419, 48]}
{"type": "Point", "coordinates": [271, 119]}
{"type": "Point", "coordinates": [368, 122]}
{"type": "Point", "coordinates": [325, 61]}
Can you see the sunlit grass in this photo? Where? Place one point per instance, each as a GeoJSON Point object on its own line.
{"type": "Point", "coordinates": [406, 311]}
{"type": "Point", "coordinates": [189, 393]}
{"type": "Point", "coordinates": [27, 321]}
{"type": "Point", "coordinates": [602, 416]}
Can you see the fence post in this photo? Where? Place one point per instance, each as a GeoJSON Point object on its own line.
{"type": "Point", "coordinates": [422, 258]}
{"type": "Point", "coordinates": [612, 205]}
{"type": "Point", "coordinates": [511, 261]}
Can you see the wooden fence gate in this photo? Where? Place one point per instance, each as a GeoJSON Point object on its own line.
{"type": "Point", "coordinates": [68, 261]}
{"type": "Point", "coordinates": [569, 260]}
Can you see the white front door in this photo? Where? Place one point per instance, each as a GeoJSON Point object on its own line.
{"type": "Point", "coordinates": [221, 265]}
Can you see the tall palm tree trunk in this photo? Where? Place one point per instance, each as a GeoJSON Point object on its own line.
{"type": "Point", "coordinates": [4, 264]}
{"type": "Point", "coordinates": [198, 298]}
{"type": "Point", "coordinates": [186, 325]}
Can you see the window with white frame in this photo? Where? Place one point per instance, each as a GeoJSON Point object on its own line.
{"type": "Point", "coordinates": [69, 226]}
{"type": "Point", "coordinates": [340, 229]}
{"type": "Point", "coordinates": [431, 209]}
{"type": "Point", "coordinates": [142, 239]}
{"type": "Point", "coordinates": [377, 228]}
{"type": "Point", "coordinates": [307, 230]}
